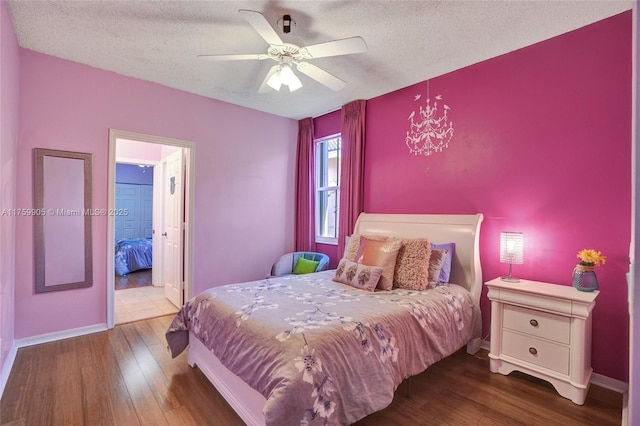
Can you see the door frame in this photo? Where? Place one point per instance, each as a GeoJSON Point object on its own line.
{"type": "Point", "coordinates": [189, 205]}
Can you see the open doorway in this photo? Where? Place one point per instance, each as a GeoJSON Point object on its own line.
{"type": "Point", "coordinates": [137, 296]}
{"type": "Point", "coordinates": [149, 263]}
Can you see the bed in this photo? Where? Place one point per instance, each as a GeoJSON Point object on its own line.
{"type": "Point", "coordinates": [308, 350]}
{"type": "Point", "coordinates": [133, 254]}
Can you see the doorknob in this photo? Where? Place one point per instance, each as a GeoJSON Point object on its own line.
{"type": "Point", "coordinates": [164, 234]}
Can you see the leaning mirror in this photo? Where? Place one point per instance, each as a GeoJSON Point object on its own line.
{"type": "Point", "coordinates": [62, 216]}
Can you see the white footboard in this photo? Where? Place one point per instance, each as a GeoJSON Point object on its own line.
{"type": "Point", "coordinates": [244, 400]}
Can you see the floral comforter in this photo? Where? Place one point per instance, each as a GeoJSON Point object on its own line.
{"type": "Point", "coordinates": [322, 352]}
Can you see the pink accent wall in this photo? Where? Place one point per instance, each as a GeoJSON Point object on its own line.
{"type": "Point", "coordinates": [245, 162]}
{"type": "Point", "coordinates": [542, 145]}
{"type": "Point", "coordinates": [634, 353]}
{"type": "Point", "coordinates": [9, 101]}
{"type": "Point", "coordinates": [327, 125]}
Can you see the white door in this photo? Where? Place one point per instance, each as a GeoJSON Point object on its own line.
{"type": "Point", "coordinates": [172, 231]}
{"type": "Point", "coordinates": [158, 213]}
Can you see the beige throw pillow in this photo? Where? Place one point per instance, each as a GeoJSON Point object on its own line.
{"type": "Point", "coordinates": [412, 265]}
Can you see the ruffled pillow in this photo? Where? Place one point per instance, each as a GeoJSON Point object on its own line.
{"type": "Point", "coordinates": [357, 275]}
{"type": "Point", "coordinates": [412, 265]}
{"type": "Point", "coordinates": [351, 249]}
{"type": "Point", "coordinates": [383, 253]}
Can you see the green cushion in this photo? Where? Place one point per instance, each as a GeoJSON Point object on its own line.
{"type": "Point", "coordinates": [305, 266]}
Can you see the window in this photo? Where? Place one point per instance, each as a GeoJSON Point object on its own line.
{"type": "Point", "coordinates": [327, 189]}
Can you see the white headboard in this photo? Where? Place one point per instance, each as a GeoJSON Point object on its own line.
{"type": "Point", "coordinates": [463, 230]}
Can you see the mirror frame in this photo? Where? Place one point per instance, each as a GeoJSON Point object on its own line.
{"type": "Point", "coordinates": [39, 220]}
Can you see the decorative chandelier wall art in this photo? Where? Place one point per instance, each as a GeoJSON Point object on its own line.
{"type": "Point", "coordinates": [430, 131]}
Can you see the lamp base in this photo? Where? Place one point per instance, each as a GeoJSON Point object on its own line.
{"type": "Point", "coordinates": [510, 279]}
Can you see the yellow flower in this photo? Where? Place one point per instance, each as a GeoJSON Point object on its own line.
{"type": "Point", "coordinates": [591, 257]}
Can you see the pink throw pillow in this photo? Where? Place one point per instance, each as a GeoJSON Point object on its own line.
{"type": "Point", "coordinates": [382, 253]}
{"type": "Point", "coordinates": [357, 275]}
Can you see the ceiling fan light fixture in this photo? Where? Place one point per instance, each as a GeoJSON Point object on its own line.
{"type": "Point", "coordinates": [286, 74]}
{"type": "Point", "coordinates": [288, 54]}
{"type": "Point", "coordinates": [294, 82]}
{"type": "Point", "coordinates": [288, 77]}
{"type": "Point", "coordinates": [275, 82]}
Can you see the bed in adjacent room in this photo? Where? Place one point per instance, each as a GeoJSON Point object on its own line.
{"type": "Point", "coordinates": [331, 347]}
{"type": "Point", "coordinates": [133, 254]}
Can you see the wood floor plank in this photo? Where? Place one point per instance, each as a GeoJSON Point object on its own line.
{"type": "Point", "coordinates": [126, 376]}
{"type": "Point", "coordinates": [68, 386]}
{"type": "Point", "coordinates": [122, 409]}
{"type": "Point", "coordinates": [142, 398]}
{"type": "Point", "coordinates": [180, 417]}
{"type": "Point", "coordinates": [151, 371]}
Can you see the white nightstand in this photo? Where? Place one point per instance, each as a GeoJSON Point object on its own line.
{"type": "Point", "coordinates": [543, 330]}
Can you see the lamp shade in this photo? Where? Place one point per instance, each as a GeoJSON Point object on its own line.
{"type": "Point", "coordinates": [511, 247]}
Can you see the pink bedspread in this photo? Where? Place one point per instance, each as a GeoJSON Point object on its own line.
{"type": "Point", "coordinates": [322, 352]}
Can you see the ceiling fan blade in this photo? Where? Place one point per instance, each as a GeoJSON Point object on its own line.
{"type": "Point", "coordinates": [264, 87]}
{"type": "Point", "coordinates": [321, 76]}
{"type": "Point", "coordinates": [250, 56]}
{"type": "Point", "coordinates": [345, 46]}
{"type": "Point", "coordinates": [261, 25]}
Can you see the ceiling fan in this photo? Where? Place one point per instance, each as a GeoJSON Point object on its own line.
{"type": "Point", "coordinates": [287, 55]}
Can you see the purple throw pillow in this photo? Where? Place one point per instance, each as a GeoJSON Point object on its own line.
{"type": "Point", "coordinates": [445, 272]}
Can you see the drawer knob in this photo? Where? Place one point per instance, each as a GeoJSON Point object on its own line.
{"type": "Point", "coordinates": [533, 351]}
{"type": "Point", "coordinates": [533, 323]}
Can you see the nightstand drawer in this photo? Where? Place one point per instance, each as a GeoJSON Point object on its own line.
{"type": "Point", "coordinates": [539, 352]}
{"type": "Point", "coordinates": [537, 323]}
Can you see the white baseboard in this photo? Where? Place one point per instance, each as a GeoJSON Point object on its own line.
{"type": "Point", "coordinates": [596, 379]}
{"type": "Point", "coordinates": [59, 335]}
{"type": "Point", "coordinates": [609, 383]}
{"type": "Point", "coordinates": [6, 368]}
{"type": "Point", "coordinates": [485, 344]}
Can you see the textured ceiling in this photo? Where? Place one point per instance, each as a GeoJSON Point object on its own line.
{"type": "Point", "coordinates": [408, 41]}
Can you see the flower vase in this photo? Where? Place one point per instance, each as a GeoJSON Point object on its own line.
{"type": "Point", "coordinates": [584, 278]}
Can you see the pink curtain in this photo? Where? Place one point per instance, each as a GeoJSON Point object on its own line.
{"type": "Point", "coordinates": [305, 188]}
{"type": "Point", "coordinates": [352, 169]}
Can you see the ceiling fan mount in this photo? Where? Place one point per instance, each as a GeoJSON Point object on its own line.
{"type": "Point", "coordinates": [287, 55]}
{"type": "Point", "coordinates": [286, 49]}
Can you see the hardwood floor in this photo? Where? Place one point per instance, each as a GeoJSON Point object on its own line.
{"type": "Point", "coordinates": [125, 376]}
{"type": "Point", "coordinates": [134, 280]}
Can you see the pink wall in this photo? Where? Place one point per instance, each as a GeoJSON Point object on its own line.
{"type": "Point", "coordinates": [9, 101]}
{"type": "Point", "coordinates": [243, 187]}
{"type": "Point", "coordinates": [542, 145]}
{"type": "Point", "coordinates": [327, 125]}
{"type": "Point", "coordinates": [135, 150]}
{"type": "Point", "coordinates": [634, 370]}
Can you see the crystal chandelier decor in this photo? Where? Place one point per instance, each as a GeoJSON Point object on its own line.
{"type": "Point", "coordinates": [430, 130]}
